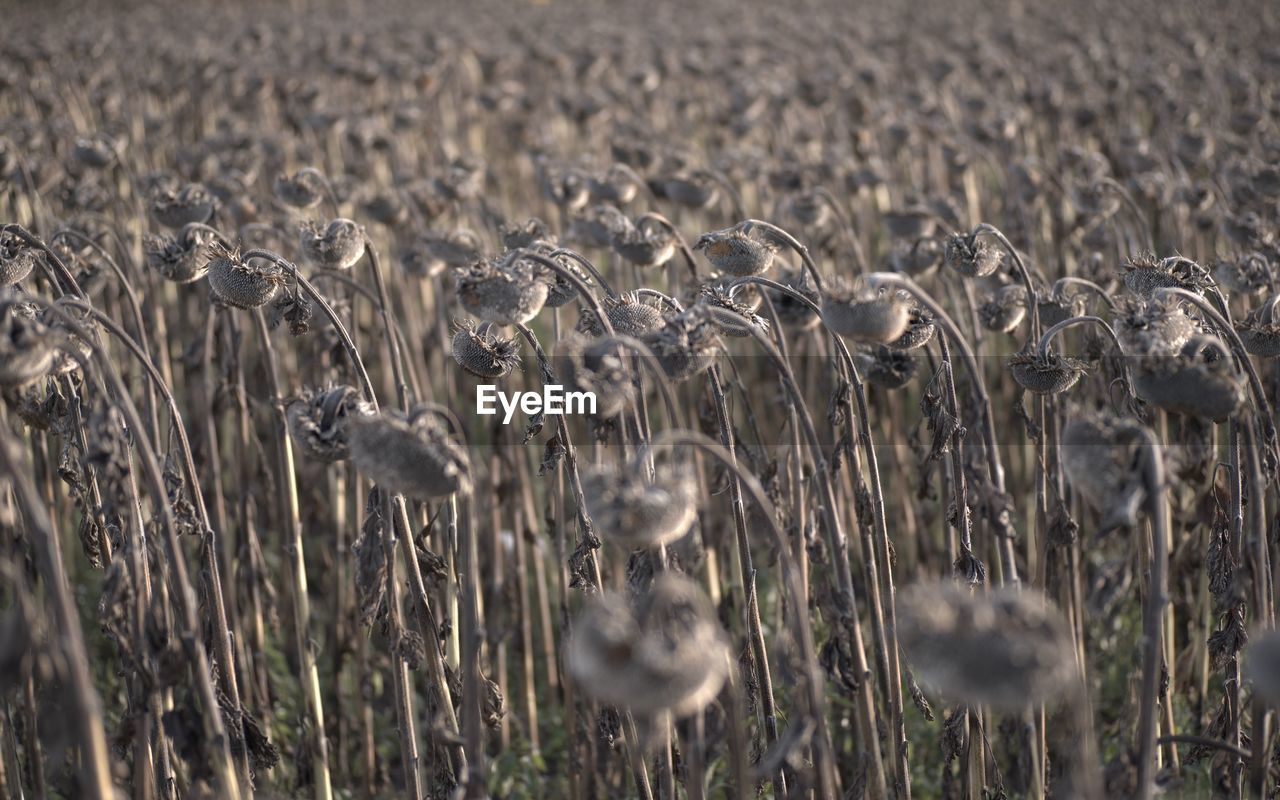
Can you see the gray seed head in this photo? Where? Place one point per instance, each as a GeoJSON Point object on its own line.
{"type": "Point", "coordinates": [667, 654]}
{"type": "Point", "coordinates": [635, 513]}
{"type": "Point", "coordinates": [409, 454]}
{"type": "Point", "coordinates": [871, 316]}
{"type": "Point", "coordinates": [191, 203]}
{"type": "Point", "coordinates": [970, 257]}
{"type": "Point", "coordinates": [27, 347]}
{"type": "Point", "coordinates": [1045, 374]}
{"type": "Point", "coordinates": [687, 345]}
{"type": "Point", "coordinates": [183, 258]}
{"type": "Point", "coordinates": [301, 191]}
{"type": "Point", "coordinates": [647, 245]}
{"type": "Point", "coordinates": [1008, 649]}
{"type": "Point", "coordinates": [1004, 309]}
{"type": "Point", "coordinates": [738, 251]}
{"type": "Point", "coordinates": [338, 245]}
{"type": "Point", "coordinates": [501, 291]}
{"type": "Point", "coordinates": [318, 421]}
{"type": "Point", "coordinates": [483, 353]}
{"type": "Point", "coordinates": [243, 284]}
{"type": "Point", "coordinates": [628, 315]}
{"type": "Point", "coordinates": [17, 259]}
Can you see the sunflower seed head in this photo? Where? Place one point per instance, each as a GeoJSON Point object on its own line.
{"type": "Point", "coordinates": [628, 315]}
{"type": "Point", "coordinates": [587, 366]}
{"type": "Point", "coordinates": [686, 345]}
{"type": "Point", "coordinates": [409, 454]}
{"type": "Point", "coordinates": [1200, 381]}
{"type": "Point", "coordinates": [27, 348]}
{"type": "Point", "coordinates": [338, 245]}
{"type": "Point", "coordinates": [741, 300]}
{"type": "Point", "coordinates": [243, 284]}
{"type": "Point", "coordinates": [501, 291]}
{"type": "Point", "coordinates": [1045, 374]}
{"type": "Point", "coordinates": [1143, 275]}
{"type": "Point", "coordinates": [17, 259]}
{"type": "Point", "coordinates": [647, 245]}
{"type": "Point", "coordinates": [301, 191]}
{"type": "Point", "coordinates": [192, 203]}
{"type": "Point", "coordinates": [864, 314]}
{"type": "Point", "coordinates": [1003, 309]}
{"type": "Point", "coordinates": [1100, 460]}
{"type": "Point", "coordinates": [517, 235]}
{"type": "Point", "coordinates": [1008, 649]}
{"type": "Point", "coordinates": [630, 510]}
{"type": "Point", "coordinates": [970, 257]}
{"type": "Point", "coordinates": [183, 258]}
{"type": "Point", "coordinates": [318, 421]}
{"type": "Point", "coordinates": [888, 367]}
{"type": "Point", "coordinates": [666, 654]}
{"type": "Point", "coordinates": [738, 251]}
{"type": "Point", "coordinates": [483, 353]}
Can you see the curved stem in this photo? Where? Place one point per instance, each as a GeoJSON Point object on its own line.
{"type": "Point", "coordinates": [586, 264]}
{"type": "Point", "coordinates": [366, 386]}
{"type": "Point", "coordinates": [995, 233]}
{"type": "Point", "coordinates": [1088, 284]}
{"type": "Point", "coordinates": [795, 245]}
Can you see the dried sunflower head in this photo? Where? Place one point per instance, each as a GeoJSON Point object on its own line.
{"type": "Point", "coordinates": [920, 329]}
{"type": "Point", "coordinates": [503, 291]}
{"type": "Point", "coordinates": [595, 226]}
{"type": "Point", "coordinates": [318, 421]}
{"type": "Point", "coordinates": [616, 186]}
{"type": "Point", "coordinates": [741, 300]}
{"type": "Point", "coordinates": [457, 248]}
{"type": "Point", "coordinates": [970, 257]}
{"type": "Point", "coordinates": [692, 189]}
{"type": "Point", "coordinates": [664, 655]}
{"type": "Point", "coordinates": [864, 314]}
{"type": "Point", "coordinates": [301, 190]}
{"type": "Point", "coordinates": [27, 347]}
{"type": "Point", "coordinates": [1259, 332]}
{"type": "Point", "coordinates": [645, 245]}
{"type": "Point", "coordinates": [409, 454]}
{"type": "Point", "coordinates": [17, 259]}
{"type": "Point", "coordinates": [1152, 326]}
{"type": "Point", "coordinates": [183, 258]}
{"type": "Point", "coordinates": [191, 203]}
{"type": "Point", "coordinates": [1200, 381]}
{"type": "Point", "coordinates": [243, 284]}
{"type": "Point", "coordinates": [738, 251]}
{"type": "Point", "coordinates": [1251, 273]}
{"type": "Point", "coordinates": [888, 367]}
{"type": "Point", "coordinates": [790, 311]}
{"type": "Point", "coordinates": [1003, 309]}
{"type": "Point", "coordinates": [1144, 275]}
{"type": "Point", "coordinates": [686, 345]}
{"type": "Point", "coordinates": [483, 353]}
{"type": "Point", "coordinates": [1047, 373]}
{"type": "Point", "coordinates": [1007, 649]}
{"type": "Point", "coordinates": [628, 315]}
{"type": "Point", "coordinates": [629, 509]}
{"type": "Point", "coordinates": [338, 245]}
{"type": "Point", "coordinates": [517, 235]}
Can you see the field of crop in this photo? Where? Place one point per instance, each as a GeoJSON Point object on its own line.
{"type": "Point", "coordinates": [915, 363]}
